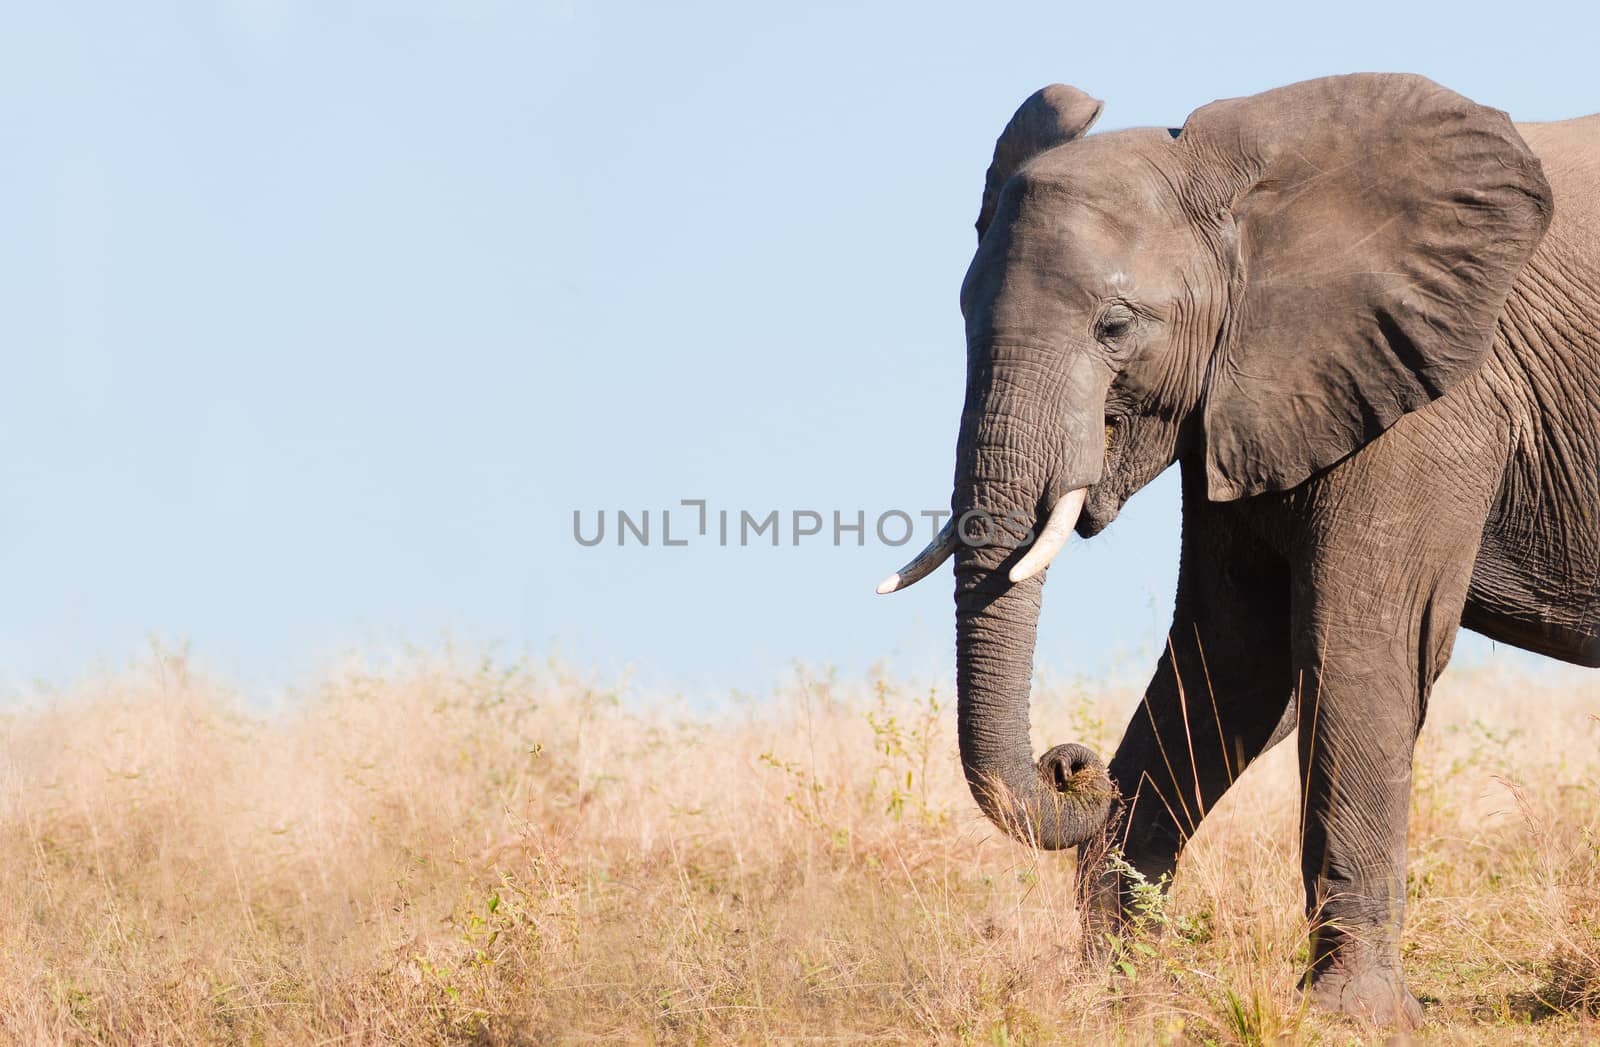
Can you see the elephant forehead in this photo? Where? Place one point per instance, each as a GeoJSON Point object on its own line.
{"type": "Point", "coordinates": [1117, 171]}
{"type": "Point", "coordinates": [1091, 220]}
{"type": "Point", "coordinates": [1101, 246]}
{"type": "Point", "coordinates": [1124, 209]}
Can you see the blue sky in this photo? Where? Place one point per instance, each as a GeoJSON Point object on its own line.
{"type": "Point", "coordinates": [322, 319]}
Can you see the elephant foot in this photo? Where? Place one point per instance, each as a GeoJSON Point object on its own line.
{"type": "Point", "coordinates": [1372, 993]}
{"type": "Point", "coordinates": [1105, 903]}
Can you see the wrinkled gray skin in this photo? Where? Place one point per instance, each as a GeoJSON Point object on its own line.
{"type": "Point", "coordinates": [1363, 315]}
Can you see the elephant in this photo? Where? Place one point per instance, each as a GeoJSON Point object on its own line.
{"type": "Point", "coordinates": [1361, 314]}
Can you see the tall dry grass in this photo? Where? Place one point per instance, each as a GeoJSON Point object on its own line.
{"type": "Point", "coordinates": [452, 850]}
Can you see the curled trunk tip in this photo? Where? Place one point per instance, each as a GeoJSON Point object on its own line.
{"type": "Point", "coordinates": [1068, 804]}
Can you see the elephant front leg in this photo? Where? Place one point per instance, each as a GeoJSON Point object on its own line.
{"type": "Point", "coordinates": [1197, 729]}
{"type": "Point", "coordinates": [1356, 742]}
{"type": "Point", "coordinates": [1219, 698]}
{"type": "Point", "coordinates": [1370, 652]}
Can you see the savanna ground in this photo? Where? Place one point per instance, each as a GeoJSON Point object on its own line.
{"type": "Point", "coordinates": [453, 850]}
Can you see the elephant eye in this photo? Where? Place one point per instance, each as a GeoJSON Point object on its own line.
{"type": "Point", "coordinates": [1114, 323]}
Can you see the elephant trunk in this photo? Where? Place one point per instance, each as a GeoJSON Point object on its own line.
{"type": "Point", "coordinates": [1065, 799]}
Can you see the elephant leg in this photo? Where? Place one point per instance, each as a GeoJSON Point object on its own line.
{"type": "Point", "coordinates": [1374, 628]}
{"type": "Point", "coordinates": [1220, 697]}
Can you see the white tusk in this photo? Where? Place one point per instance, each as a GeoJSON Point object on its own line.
{"type": "Point", "coordinates": [925, 562]}
{"type": "Point", "coordinates": [1053, 538]}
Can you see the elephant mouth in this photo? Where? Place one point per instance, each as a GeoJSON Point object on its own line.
{"type": "Point", "coordinates": [1102, 506]}
{"type": "Point", "coordinates": [1106, 497]}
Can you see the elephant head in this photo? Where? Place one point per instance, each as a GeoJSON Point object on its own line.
{"type": "Point", "coordinates": [1260, 294]}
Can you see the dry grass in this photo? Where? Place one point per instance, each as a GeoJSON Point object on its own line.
{"type": "Point", "coordinates": [452, 851]}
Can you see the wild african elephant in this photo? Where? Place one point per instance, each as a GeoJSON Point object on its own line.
{"type": "Point", "coordinates": [1362, 314]}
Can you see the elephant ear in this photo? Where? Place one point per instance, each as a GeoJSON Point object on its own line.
{"type": "Point", "coordinates": [1049, 117]}
{"type": "Point", "coordinates": [1377, 225]}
